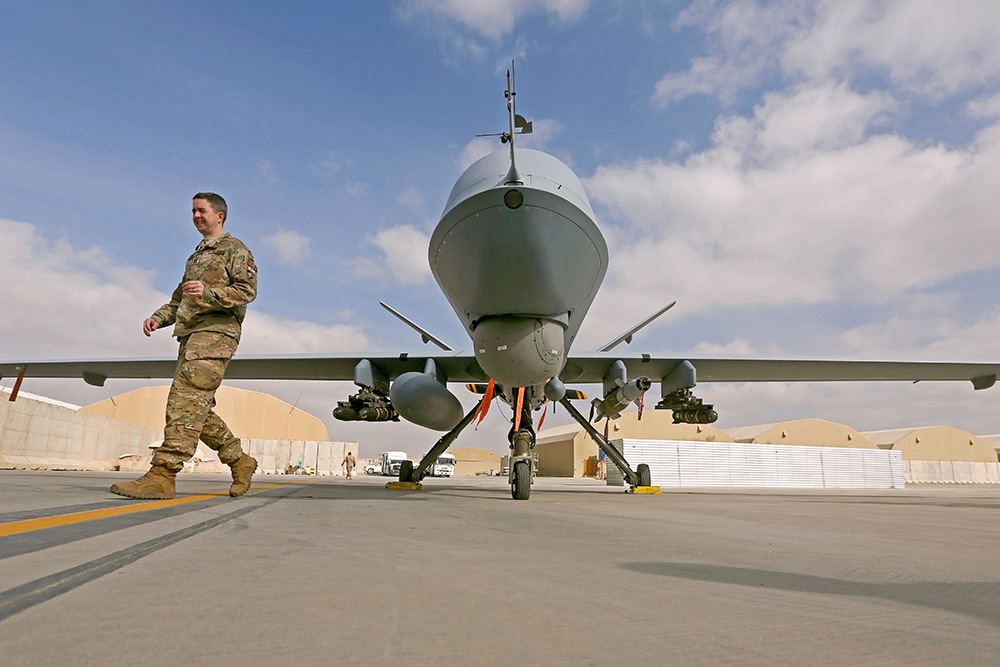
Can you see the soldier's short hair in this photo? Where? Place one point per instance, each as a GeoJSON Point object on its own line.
{"type": "Point", "coordinates": [217, 203]}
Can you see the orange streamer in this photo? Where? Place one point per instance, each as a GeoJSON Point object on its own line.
{"type": "Point", "coordinates": [520, 406]}
{"type": "Point", "coordinates": [484, 405]}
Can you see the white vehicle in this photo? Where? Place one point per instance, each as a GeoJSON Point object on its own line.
{"type": "Point", "coordinates": [373, 468]}
{"type": "Point", "coordinates": [391, 461]}
{"type": "Point", "coordinates": [443, 467]}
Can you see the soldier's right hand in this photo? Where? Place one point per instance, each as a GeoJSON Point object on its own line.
{"type": "Point", "coordinates": [149, 325]}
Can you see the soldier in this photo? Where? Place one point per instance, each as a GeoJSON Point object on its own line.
{"type": "Point", "coordinates": [349, 462]}
{"type": "Point", "coordinates": [207, 311]}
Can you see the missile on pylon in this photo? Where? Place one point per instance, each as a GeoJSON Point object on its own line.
{"type": "Point", "coordinates": [619, 398]}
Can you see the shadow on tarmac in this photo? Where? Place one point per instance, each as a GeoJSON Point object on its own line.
{"type": "Point", "coordinates": [979, 599]}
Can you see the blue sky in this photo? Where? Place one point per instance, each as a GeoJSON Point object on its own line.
{"type": "Point", "coordinates": [806, 178]}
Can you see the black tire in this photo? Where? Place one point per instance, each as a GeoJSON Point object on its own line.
{"type": "Point", "coordinates": [406, 471]}
{"type": "Point", "coordinates": [521, 488]}
{"type": "Point", "coordinates": [642, 470]}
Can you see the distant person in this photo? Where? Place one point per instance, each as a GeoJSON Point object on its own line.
{"type": "Point", "coordinates": [207, 311]}
{"type": "Point", "coordinates": [349, 463]}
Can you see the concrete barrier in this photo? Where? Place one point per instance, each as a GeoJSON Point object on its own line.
{"type": "Point", "coordinates": [324, 457]}
{"type": "Point", "coordinates": [40, 434]}
{"type": "Point", "coordinates": [951, 472]}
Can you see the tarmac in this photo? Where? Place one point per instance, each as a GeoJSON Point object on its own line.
{"type": "Point", "coordinates": [328, 571]}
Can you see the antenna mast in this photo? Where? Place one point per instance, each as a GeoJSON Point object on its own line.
{"type": "Point", "coordinates": [513, 122]}
{"type": "Point", "coordinates": [513, 178]}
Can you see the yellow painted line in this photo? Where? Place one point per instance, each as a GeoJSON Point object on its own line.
{"type": "Point", "coordinates": [28, 525]}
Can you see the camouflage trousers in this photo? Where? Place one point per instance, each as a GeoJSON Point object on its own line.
{"type": "Point", "coordinates": [201, 363]}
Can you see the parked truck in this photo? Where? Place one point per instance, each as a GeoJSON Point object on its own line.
{"type": "Point", "coordinates": [443, 467]}
{"type": "Point", "coordinates": [391, 461]}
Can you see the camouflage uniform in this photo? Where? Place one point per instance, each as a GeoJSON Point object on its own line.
{"type": "Point", "coordinates": [208, 329]}
{"type": "Point", "coordinates": [349, 462]}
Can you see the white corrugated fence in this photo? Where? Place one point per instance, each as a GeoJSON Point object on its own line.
{"type": "Point", "coordinates": [680, 463]}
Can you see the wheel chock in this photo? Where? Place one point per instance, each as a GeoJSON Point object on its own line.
{"type": "Point", "coordinates": [406, 486]}
{"type": "Point", "coordinates": [653, 490]}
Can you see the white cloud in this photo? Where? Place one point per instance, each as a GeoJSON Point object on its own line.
{"type": "Point", "coordinates": [985, 107]}
{"type": "Point", "coordinates": [543, 131]}
{"type": "Point", "coordinates": [64, 302]}
{"type": "Point", "coordinates": [291, 246]}
{"type": "Point", "coordinates": [925, 47]}
{"type": "Point", "coordinates": [356, 189]}
{"type": "Point", "coordinates": [924, 326]}
{"type": "Point", "coordinates": [266, 334]}
{"type": "Point", "coordinates": [739, 346]}
{"type": "Point", "coordinates": [797, 205]}
{"type": "Point", "coordinates": [412, 199]}
{"type": "Point", "coordinates": [815, 118]}
{"type": "Point", "coordinates": [707, 76]}
{"type": "Point", "coordinates": [808, 205]}
{"type": "Point", "coordinates": [495, 19]}
{"type": "Point", "coordinates": [475, 149]}
{"type": "Point", "coordinates": [332, 166]}
{"type": "Point", "coordinates": [745, 39]}
{"type": "Point", "coordinates": [932, 326]}
{"type": "Point", "coordinates": [404, 256]}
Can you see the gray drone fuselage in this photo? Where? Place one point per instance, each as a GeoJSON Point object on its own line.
{"type": "Point", "coordinates": [520, 261]}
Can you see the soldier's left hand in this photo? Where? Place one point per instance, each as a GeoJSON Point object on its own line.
{"type": "Point", "coordinates": [193, 288]}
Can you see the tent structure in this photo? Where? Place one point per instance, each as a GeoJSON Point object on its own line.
{"type": "Point", "coordinates": [250, 414]}
{"type": "Point", "coordinates": [808, 432]}
{"type": "Point", "coordinates": [935, 443]}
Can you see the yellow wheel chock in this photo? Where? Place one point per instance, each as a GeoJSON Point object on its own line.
{"type": "Point", "coordinates": [406, 486]}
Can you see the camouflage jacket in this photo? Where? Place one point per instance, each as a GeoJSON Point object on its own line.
{"type": "Point", "coordinates": [227, 269]}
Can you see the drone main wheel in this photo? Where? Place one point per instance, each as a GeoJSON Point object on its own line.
{"type": "Point", "coordinates": [521, 488]}
{"type": "Point", "coordinates": [642, 470]}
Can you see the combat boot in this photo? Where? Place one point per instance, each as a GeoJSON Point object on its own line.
{"type": "Point", "coordinates": [157, 484]}
{"type": "Point", "coordinates": [243, 469]}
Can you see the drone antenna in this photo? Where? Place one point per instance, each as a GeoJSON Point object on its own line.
{"type": "Point", "coordinates": [515, 125]}
{"type": "Point", "coordinates": [513, 178]}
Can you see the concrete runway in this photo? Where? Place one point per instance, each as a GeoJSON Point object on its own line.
{"type": "Point", "coordinates": [330, 571]}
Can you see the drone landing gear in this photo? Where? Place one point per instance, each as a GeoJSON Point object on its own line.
{"type": "Point", "coordinates": [522, 466]}
{"type": "Point", "coordinates": [639, 480]}
{"type": "Point", "coordinates": [410, 476]}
